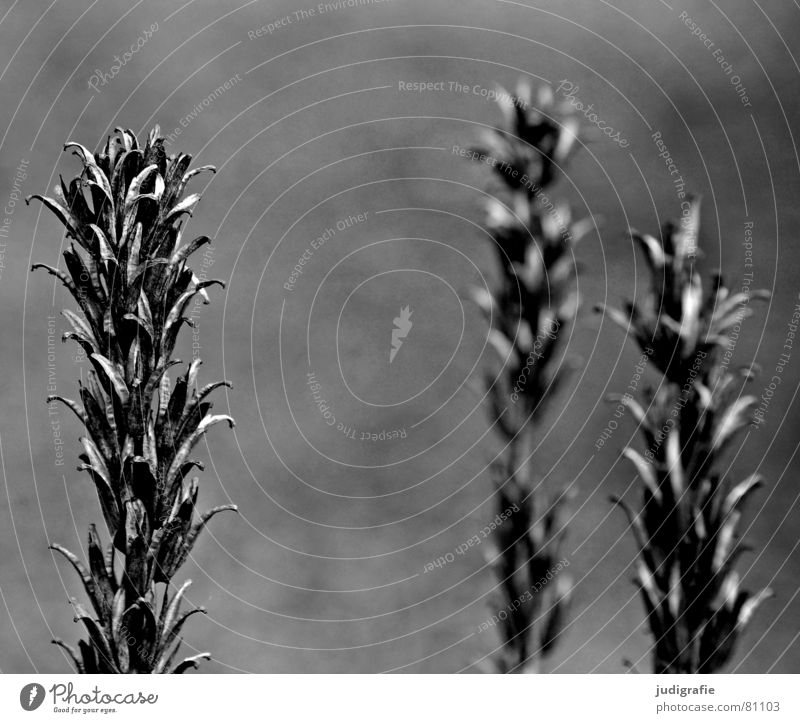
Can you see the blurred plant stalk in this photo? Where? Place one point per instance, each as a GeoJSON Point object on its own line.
{"type": "Point", "coordinates": [529, 315]}
{"type": "Point", "coordinates": [686, 528]}
{"type": "Point", "coordinates": [126, 267]}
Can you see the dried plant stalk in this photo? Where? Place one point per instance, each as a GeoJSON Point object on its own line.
{"type": "Point", "coordinates": [686, 529]}
{"type": "Point", "coordinates": [530, 314]}
{"type": "Point", "coordinates": [127, 270]}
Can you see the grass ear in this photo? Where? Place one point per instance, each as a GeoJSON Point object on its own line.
{"type": "Point", "coordinates": [531, 311]}
{"type": "Point", "coordinates": [686, 531]}
{"type": "Point", "coordinates": [130, 312]}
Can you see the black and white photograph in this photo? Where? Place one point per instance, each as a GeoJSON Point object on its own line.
{"type": "Point", "coordinates": [408, 337]}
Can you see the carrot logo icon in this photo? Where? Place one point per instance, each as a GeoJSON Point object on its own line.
{"type": "Point", "coordinates": [31, 696]}
{"type": "Point", "coordinates": [402, 325]}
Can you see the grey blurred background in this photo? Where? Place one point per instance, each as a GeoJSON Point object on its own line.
{"type": "Point", "coordinates": [323, 571]}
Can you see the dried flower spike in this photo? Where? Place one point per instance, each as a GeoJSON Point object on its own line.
{"type": "Point", "coordinates": [531, 310]}
{"type": "Point", "coordinates": [127, 271]}
{"type": "Point", "coordinates": [686, 530]}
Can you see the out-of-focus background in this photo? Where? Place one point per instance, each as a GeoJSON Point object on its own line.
{"type": "Point", "coordinates": [312, 123]}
